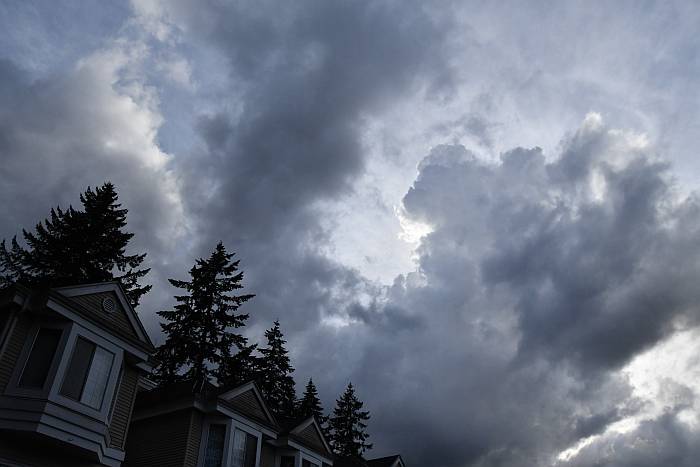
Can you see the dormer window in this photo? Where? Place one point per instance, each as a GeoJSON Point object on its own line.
{"type": "Point", "coordinates": [40, 358]}
{"type": "Point", "coordinates": [87, 374]}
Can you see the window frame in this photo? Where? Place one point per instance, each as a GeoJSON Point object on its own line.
{"type": "Point", "coordinates": [231, 426]}
{"type": "Point", "coordinates": [102, 414]}
{"type": "Point", "coordinates": [13, 388]}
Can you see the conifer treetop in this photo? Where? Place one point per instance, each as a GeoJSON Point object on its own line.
{"type": "Point", "coordinates": [77, 247]}
{"type": "Point", "coordinates": [348, 427]}
{"type": "Point", "coordinates": [200, 328]}
{"type": "Point", "coordinates": [275, 378]}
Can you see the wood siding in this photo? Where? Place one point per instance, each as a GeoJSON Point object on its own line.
{"type": "Point", "coordinates": [15, 342]}
{"type": "Point", "coordinates": [312, 439]}
{"type": "Point", "coordinates": [118, 318]}
{"type": "Point", "coordinates": [162, 441]}
{"type": "Point", "coordinates": [123, 405]}
{"type": "Point", "coordinates": [194, 439]}
{"type": "Point", "coordinates": [248, 404]}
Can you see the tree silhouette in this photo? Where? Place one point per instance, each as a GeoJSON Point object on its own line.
{"type": "Point", "coordinates": [348, 425]}
{"type": "Point", "coordinates": [276, 379]}
{"type": "Point", "coordinates": [239, 368]}
{"type": "Point", "coordinates": [310, 404]}
{"type": "Point", "coordinates": [199, 330]}
{"type": "Point", "coordinates": [77, 246]}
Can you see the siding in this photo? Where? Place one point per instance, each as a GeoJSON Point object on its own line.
{"type": "Point", "coordinates": [248, 404]}
{"type": "Point", "coordinates": [15, 342]}
{"type": "Point", "coordinates": [194, 439]}
{"type": "Point", "coordinates": [118, 318]}
{"type": "Point", "coordinates": [311, 438]}
{"type": "Point", "coordinates": [161, 441]}
{"type": "Point", "coordinates": [123, 405]}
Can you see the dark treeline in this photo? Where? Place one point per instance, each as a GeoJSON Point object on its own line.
{"type": "Point", "coordinates": [203, 339]}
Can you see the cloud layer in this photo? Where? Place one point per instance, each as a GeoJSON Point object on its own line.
{"type": "Point", "coordinates": [546, 259]}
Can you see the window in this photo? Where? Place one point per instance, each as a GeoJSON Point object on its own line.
{"type": "Point", "coordinates": [87, 374]}
{"type": "Point", "coordinates": [306, 463]}
{"type": "Point", "coordinates": [287, 461]}
{"type": "Point", "coordinates": [245, 449]}
{"type": "Point", "coordinates": [214, 453]}
{"type": "Point", "coordinates": [40, 358]}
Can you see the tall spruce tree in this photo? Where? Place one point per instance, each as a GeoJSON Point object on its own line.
{"type": "Point", "coordinates": [348, 425]}
{"type": "Point", "coordinates": [239, 368]}
{"type": "Point", "coordinates": [77, 246]}
{"type": "Point", "coordinates": [275, 377]}
{"type": "Point", "coordinates": [200, 329]}
{"type": "Point", "coordinates": [310, 404]}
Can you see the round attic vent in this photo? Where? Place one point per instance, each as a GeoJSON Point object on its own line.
{"type": "Point", "coordinates": [109, 305]}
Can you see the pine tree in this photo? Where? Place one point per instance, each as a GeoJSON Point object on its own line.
{"type": "Point", "coordinates": [199, 330]}
{"type": "Point", "coordinates": [310, 404]}
{"type": "Point", "coordinates": [348, 425]}
{"type": "Point", "coordinates": [74, 246]}
{"type": "Point", "coordinates": [275, 378]}
{"type": "Point", "coordinates": [239, 368]}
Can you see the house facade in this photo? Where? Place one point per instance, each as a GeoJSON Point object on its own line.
{"type": "Point", "coordinates": [71, 362]}
{"type": "Point", "coordinates": [215, 427]}
{"type": "Point", "coordinates": [74, 391]}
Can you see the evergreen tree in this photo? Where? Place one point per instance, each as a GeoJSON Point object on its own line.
{"type": "Point", "coordinates": [348, 425]}
{"type": "Point", "coordinates": [275, 378]}
{"type": "Point", "coordinates": [310, 404]}
{"type": "Point", "coordinates": [169, 361]}
{"type": "Point", "coordinates": [199, 330]}
{"type": "Point", "coordinates": [74, 246]}
{"type": "Point", "coordinates": [239, 368]}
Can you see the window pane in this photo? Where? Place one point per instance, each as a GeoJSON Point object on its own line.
{"type": "Point", "coordinates": [78, 369]}
{"type": "Point", "coordinates": [96, 382]}
{"type": "Point", "coordinates": [238, 456]}
{"type": "Point", "coordinates": [215, 446]}
{"type": "Point", "coordinates": [39, 362]}
{"type": "Point", "coordinates": [251, 450]}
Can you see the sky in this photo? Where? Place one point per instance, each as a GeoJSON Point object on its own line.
{"type": "Point", "coordinates": [483, 214]}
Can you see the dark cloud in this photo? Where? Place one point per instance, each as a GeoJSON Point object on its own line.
{"type": "Point", "coordinates": [539, 281]}
{"type": "Point", "coordinates": [544, 274]}
{"type": "Point", "coordinates": [302, 77]}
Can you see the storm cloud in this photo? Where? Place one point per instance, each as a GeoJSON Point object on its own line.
{"type": "Point", "coordinates": [482, 214]}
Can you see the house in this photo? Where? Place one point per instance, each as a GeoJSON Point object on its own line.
{"type": "Point", "coordinates": [74, 391]}
{"type": "Point", "coordinates": [389, 461]}
{"type": "Point", "coordinates": [219, 427]}
{"type": "Point", "coordinates": [71, 361]}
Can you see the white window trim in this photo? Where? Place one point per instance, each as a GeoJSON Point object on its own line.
{"type": "Point", "coordinates": [231, 426]}
{"type": "Point", "coordinates": [102, 414]}
{"type": "Point", "coordinates": [13, 388]}
{"type": "Point", "coordinates": [314, 460]}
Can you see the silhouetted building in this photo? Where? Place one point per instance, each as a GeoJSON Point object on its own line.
{"type": "Point", "coordinates": [217, 427]}
{"type": "Point", "coordinates": [71, 360]}
{"type": "Point", "coordinates": [74, 391]}
{"type": "Point", "coordinates": [389, 461]}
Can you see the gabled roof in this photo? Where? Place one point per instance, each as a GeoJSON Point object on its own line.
{"type": "Point", "coordinates": [308, 432]}
{"type": "Point", "coordinates": [389, 461]}
{"type": "Point", "coordinates": [248, 400]}
{"type": "Point", "coordinates": [104, 289]}
{"type": "Point", "coordinates": [62, 300]}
